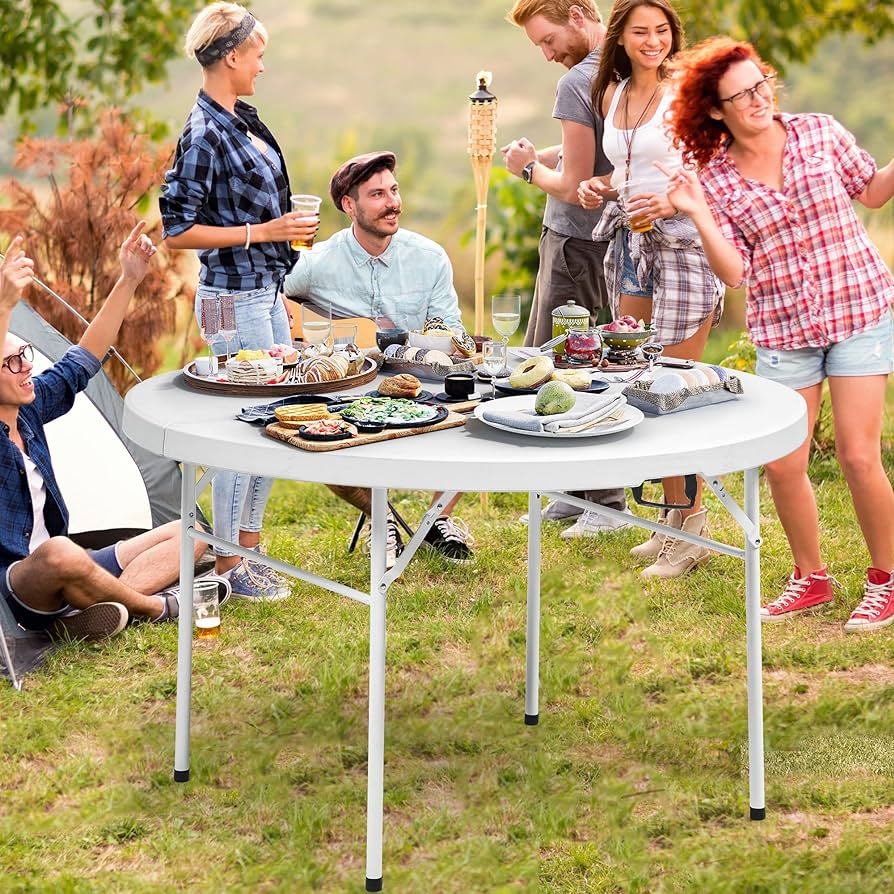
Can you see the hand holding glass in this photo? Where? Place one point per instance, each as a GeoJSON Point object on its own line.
{"type": "Point", "coordinates": [493, 357]}
{"type": "Point", "coordinates": [307, 207]}
{"type": "Point", "coordinates": [635, 200]}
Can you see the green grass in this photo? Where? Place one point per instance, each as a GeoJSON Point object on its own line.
{"type": "Point", "coordinates": [635, 780]}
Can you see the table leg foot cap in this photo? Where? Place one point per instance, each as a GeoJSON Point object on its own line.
{"type": "Point", "coordinates": [181, 775]}
{"type": "Point", "coordinates": [532, 719]}
{"type": "Point", "coordinates": [374, 884]}
{"type": "Point", "coordinates": [758, 813]}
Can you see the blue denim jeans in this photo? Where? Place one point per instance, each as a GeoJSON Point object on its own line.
{"type": "Point", "coordinates": [238, 500]}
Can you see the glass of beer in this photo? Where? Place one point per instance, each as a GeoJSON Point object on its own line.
{"type": "Point", "coordinates": [206, 608]}
{"type": "Point", "coordinates": [306, 206]}
{"type": "Point", "coordinates": [631, 194]}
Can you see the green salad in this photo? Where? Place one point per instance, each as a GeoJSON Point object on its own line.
{"type": "Point", "coordinates": [394, 410]}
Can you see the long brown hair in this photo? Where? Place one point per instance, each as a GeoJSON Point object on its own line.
{"type": "Point", "coordinates": [614, 64]}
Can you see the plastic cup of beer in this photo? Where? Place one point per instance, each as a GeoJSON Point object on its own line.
{"type": "Point", "coordinates": [206, 608]}
{"type": "Point", "coordinates": [635, 208]}
{"type": "Point", "coordinates": [307, 207]}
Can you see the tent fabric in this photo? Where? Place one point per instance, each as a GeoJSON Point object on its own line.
{"type": "Point", "coordinates": [113, 487]}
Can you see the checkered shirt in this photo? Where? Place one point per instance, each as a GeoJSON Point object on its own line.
{"type": "Point", "coordinates": [814, 278]}
{"type": "Point", "coordinates": [220, 179]}
{"type": "Point", "coordinates": [685, 291]}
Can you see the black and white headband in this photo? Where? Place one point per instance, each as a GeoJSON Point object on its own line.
{"type": "Point", "coordinates": [219, 48]}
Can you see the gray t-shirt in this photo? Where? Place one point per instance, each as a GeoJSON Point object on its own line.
{"type": "Point", "coordinates": [573, 103]}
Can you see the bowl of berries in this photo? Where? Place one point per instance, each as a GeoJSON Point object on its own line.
{"type": "Point", "coordinates": [625, 333]}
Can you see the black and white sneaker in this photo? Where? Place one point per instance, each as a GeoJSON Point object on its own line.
{"type": "Point", "coordinates": [451, 539]}
{"type": "Point", "coordinates": [394, 545]}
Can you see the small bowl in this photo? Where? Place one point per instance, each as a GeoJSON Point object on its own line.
{"type": "Point", "coordinates": [431, 342]}
{"type": "Point", "coordinates": [624, 339]}
{"type": "Point", "coordinates": [368, 428]}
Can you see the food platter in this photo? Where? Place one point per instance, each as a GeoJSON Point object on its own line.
{"type": "Point", "coordinates": [632, 416]}
{"type": "Point", "coordinates": [398, 412]}
{"type": "Point", "coordinates": [422, 396]}
{"type": "Point", "coordinates": [597, 386]}
{"type": "Point", "coordinates": [218, 384]}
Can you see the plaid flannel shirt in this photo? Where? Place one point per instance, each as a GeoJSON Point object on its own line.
{"type": "Point", "coordinates": [55, 390]}
{"type": "Point", "coordinates": [685, 291]}
{"type": "Point", "coordinates": [221, 179]}
{"type": "Point", "coordinates": [814, 278]}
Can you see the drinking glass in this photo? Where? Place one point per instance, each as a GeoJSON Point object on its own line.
{"type": "Point", "coordinates": [209, 325]}
{"type": "Point", "coordinates": [343, 334]}
{"type": "Point", "coordinates": [315, 328]}
{"type": "Point", "coordinates": [493, 358]}
{"type": "Point", "coordinates": [306, 206]}
{"type": "Point", "coordinates": [227, 319]}
{"type": "Point", "coordinates": [391, 330]}
{"type": "Point", "coordinates": [505, 313]}
{"type": "Point", "coordinates": [206, 608]}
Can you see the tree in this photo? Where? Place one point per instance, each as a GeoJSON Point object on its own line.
{"type": "Point", "coordinates": [50, 57]}
{"type": "Point", "coordinates": [75, 235]}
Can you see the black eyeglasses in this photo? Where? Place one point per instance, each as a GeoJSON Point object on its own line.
{"type": "Point", "coordinates": [744, 98]}
{"type": "Point", "coordinates": [14, 361]}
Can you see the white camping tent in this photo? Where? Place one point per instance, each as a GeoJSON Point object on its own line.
{"type": "Point", "coordinates": [112, 487]}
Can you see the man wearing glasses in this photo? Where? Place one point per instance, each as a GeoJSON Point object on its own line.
{"type": "Point", "coordinates": [49, 582]}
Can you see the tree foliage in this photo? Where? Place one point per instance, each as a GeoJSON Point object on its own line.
{"type": "Point", "coordinates": [786, 31]}
{"type": "Point", "coordinates": [74, 236]}
{"type": "Point", "coordinates": [110, 49]}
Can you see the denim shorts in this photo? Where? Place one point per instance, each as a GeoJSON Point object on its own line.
{"type": "Point", "coordinates": [31, 618]}
{"type": "Point", "coordinates": [868, 353]}
{"type": "Point", "coordinates": [629, 281]}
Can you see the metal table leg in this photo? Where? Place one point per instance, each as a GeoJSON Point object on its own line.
{"type": "Point", "coordinates": [753, 651]}
{"type": "Point", "coordinates": [532, 660]}
{"type": "Point", "coordinates": [184, 624]}
{"type": "Point", "coordinates": [376, 750]}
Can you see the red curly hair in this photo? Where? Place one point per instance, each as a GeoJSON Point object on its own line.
{"type": "Point", "coordinates": [698, 72]}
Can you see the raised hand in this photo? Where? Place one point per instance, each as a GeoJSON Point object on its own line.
{"type": "Point", "coordinates": [16, 272]}
{"type": "Point", "coordinates": [517, 154]}
{"type": "Point", "coordinates": [684, 192]}
{"type": "Point", "coordinates": [593, 192]}
{"type": "Point", "coordinates": [136, 253]}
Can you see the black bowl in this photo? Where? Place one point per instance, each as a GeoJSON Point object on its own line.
{"type": "Point", "coordinates": [386, 337]}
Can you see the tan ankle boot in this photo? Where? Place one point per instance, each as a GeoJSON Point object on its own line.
{"type": "Point", "coordinates": [652, 547]}
{"type": "Point", "coordinates": [677, 556]}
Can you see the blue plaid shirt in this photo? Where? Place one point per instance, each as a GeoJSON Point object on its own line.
{"type": "Point", "coordinates": [220, 179]}
{"type": "Point", "coordinates": [55, 390]}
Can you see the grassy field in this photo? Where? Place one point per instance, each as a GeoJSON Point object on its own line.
{"type": "Point", "coordinates": [635, 780]}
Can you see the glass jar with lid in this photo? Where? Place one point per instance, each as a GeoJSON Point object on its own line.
{"type": "Point", "coordinates": [568, 316]}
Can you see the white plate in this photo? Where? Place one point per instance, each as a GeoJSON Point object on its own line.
{"type": "Point", "coordinates": [632, 416]}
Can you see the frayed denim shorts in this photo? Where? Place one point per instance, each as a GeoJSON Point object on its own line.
{"type": "Point", "coordinates": [868, 353]}
{"type": "Point", "coordinates": [629, 282]}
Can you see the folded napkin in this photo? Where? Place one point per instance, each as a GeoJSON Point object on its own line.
{"type": "Point", "coordinates": [590, 409]}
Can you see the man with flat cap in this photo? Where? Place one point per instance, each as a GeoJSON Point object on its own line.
{"type": "Point", "coordinates": [375, 269]}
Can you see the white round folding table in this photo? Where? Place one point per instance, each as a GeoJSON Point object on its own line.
{"type": "Point", "coordinates": [199, 430]}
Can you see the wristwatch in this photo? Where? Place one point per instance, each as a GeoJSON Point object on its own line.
{"type": "Point", "coordinates": [528, 172]}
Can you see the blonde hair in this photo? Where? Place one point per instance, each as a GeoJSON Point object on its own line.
{"type": "Point", "coordinates": [215, 21]}
{"type": "Point", "coordinates": [556, 11]}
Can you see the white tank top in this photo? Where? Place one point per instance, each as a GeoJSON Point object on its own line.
{"type": "Point", "coordinates": [651, 143]}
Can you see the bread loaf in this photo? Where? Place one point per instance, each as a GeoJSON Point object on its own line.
{"type": "Point", "coordinates": [402, 385]}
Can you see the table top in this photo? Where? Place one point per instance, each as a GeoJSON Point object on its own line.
{"type": "Point", "coordinates": [768, 421]}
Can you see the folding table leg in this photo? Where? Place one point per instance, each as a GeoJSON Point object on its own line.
{"type": "Point", "coordinates": [532, 659]}
{"type": "Point", "coordinates": [753, 653]}
{"type": "Point", "coordinates": [184, 624]}
{"type": "Point", "coordinates": [376, 749]}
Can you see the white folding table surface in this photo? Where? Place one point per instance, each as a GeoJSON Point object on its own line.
{"type": "Point", "coordinates": [199, 430]}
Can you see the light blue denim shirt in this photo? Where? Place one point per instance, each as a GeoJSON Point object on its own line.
{"type": "Point", "coordinates": [411, 281]}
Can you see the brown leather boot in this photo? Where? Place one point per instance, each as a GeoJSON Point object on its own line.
{"type": "Point", "coordinates": [677, 556]}
{"type": "Point", "coordinates": [652, 547]}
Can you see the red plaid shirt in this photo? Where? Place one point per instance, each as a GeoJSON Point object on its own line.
{"type": "Point", "coordinates": [814, 278]}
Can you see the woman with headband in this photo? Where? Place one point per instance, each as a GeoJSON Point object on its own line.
{"type": "Point", "coordinates": [227, 196]}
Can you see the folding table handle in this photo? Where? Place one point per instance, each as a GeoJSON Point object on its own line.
{"type": "Point", "coordinates": [690, 488]}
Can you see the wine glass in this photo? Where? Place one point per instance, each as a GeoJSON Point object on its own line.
{"type": "Point", "coordinates": [209, 326]}
{"type": "Point", "coordinates": [505, 313]}
{"type": "Point", "coordinates": [315, 328]}
{"type": "Point", "coordinates": [493, 358]}
{"type": "Point", "coordinates": [227, 319]}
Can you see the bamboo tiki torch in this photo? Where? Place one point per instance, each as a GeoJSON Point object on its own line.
{"type": "Point", "coordinates": [482, 143]}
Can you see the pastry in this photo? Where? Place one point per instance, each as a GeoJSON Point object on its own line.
{"type": "Point", "coordinates": [433, 357]}
{"type": "Point", "coordinates": [354, 357]}
{"type": "Point", "coordinates": [296, 415]}
{"type": "Point", "coordinates": [533, 372]}
{"type": "Point", "coordinates": [323, 369]}
{"type": "Point", "coordinates": [464, 344]}
{"type": "Point", "coordinates": [253, 368]}
{"type": "Point", "coordinates": [576, 378]}
{"type": "Point", "coordinates": [402, 385]}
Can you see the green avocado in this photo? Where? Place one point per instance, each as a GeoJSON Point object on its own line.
{"type": "Point", "coordinates": [554, 397]}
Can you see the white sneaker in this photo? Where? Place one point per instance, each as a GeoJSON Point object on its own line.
{"type": "Point", "coordinates": [590, 524]}
{"type": "Point", "coordinates": [555, 510]}
{"type": "Point", "coordinates": [394, 545]}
